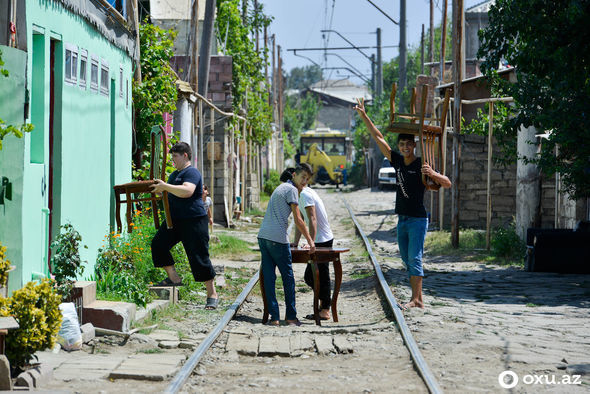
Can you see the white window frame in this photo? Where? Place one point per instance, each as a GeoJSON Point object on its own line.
{"type": "Point", "coordinates": [83, 78]}
{"type": "Point", "coordinates": [104, 66]}
{"type": "Point", "coordinates": [94, 63]}
{"type": "Point", "coordinates": [71, 52]}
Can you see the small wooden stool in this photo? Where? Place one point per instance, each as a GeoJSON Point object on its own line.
{"type": "Point", "coordinates": [321, 256]}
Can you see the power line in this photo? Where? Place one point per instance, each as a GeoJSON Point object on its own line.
{"type": "Point", "coordinates": [340, 48]}
{"type": "Point", "coordinates": [383, 12]}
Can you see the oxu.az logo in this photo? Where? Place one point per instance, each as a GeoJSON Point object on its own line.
{"type": "Point", "coordinates": [509, 379]}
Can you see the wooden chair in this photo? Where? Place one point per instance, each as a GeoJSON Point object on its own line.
{"type": "Point", "coordinates": [134, 190]}
{"type": "Point", "coordinates": [429, 134]}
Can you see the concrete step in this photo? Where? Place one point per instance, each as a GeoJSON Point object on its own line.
{"type": "Point", "coordinates": [114, 315]}
{"type": "Point", "coordinates": [86, 290]}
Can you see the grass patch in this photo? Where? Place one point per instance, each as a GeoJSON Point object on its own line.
{"type": "Point", "coordinates": [506, 246]}
{"type": "Point", "coordinates": [227, 246]}
{"type": "Point", "coordinates": [531, 305]}
{"type": "Point", "coordinates": [361, 273]}
{"type": "Point", "coordinates": [151, 351]}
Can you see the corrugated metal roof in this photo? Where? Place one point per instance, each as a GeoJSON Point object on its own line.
{"type": "Point", "coordinates": [342, 89]}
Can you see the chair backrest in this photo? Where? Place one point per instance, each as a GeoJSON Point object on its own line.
{"type": "Point", "coordinates": [158, 167]}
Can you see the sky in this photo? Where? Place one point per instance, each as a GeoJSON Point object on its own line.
{"type": "Point", "coordinates": [298, 24]}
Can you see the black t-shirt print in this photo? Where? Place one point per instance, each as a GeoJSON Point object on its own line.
{"type": "Point", "coordinates": [409, 199]}
{"type": "Point", "coordinates": [192, 206]}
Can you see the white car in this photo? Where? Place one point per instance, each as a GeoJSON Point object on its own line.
{"type": "Point", "coordinates": [387, 175]}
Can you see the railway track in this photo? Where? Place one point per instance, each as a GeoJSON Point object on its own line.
{"type": "Point", "coordinates": [364, 352]}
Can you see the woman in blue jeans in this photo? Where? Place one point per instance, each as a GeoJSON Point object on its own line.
{"type": "Point", "coordinates": [274, 243]}
{"type": "Point", "coordinates": [409, 202]}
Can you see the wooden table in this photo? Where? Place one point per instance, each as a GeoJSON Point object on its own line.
{"type": "Point", "coordinates": [321, 256]}
{"type": "Point", "coordinates": [6, 323]}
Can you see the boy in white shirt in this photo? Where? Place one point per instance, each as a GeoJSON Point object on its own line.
{"type": "Point", "coordinates": [314, 213]}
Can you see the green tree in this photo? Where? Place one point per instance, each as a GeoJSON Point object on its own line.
{"type": "Point", "coordinates": [304, 77]}
{"type": "Point", "coordinates": [156, 94]}
{"type": "Point", "coordinates": [547, 43]}
{"type": "Point", "coordinates": [299, 115]}
{"type": "Point", "coordinates": [249, 87]}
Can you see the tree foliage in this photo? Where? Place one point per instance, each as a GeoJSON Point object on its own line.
{"type": "Point", "coordinates": [300, 114]}
{"type": "Point", "coordinates": [156, 94]}
{"type": "Point", "coordinates": [548, 46]}
{"type": "Point", "coordinates": [249, 87]}
{"type": "Point", "coordinates": [304, 77]}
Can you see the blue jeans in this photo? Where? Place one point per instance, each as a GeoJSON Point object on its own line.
{"type": "Point", "coordinates": [275, 255]}
{"type": "Point", "coordinates": [411, 232]}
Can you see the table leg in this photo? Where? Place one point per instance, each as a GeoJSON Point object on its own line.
{"type": "Point", "coordinates": [261, 281]}
{"type": "Point", "coordinates": [118, 211]}
{"type": "Point", "coordinates": [337, 283]}
{"type": "Point", "coordinates": [316, 293]}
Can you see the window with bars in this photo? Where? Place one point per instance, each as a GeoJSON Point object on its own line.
{"type": "Point", "coordinates": [71, 64]}
{"type": "Point", "coordinates": [94, 74]}
{"type": "Point", "coordinates": [83, 68]}
{"type": "Point", "coordinates": [104, 77]}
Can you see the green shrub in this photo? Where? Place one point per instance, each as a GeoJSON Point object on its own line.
{"type": "Point", "coordinates": [272, 182]}
{"type": "Point", "coordinates": [66, 263]}
{"type": "Point", "coordinates": [124, 268]}
{"type": "Point", "coordinates": [36, 309]}
{"type": "Point", "coordinates": [507, 245]}
{"type": "Point", "coordinates": [4, 266]}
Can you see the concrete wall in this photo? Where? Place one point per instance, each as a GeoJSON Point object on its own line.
{"type": "Point", "coordinates": [91, 140]}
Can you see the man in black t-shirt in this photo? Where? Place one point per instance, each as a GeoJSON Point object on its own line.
{"type": "Point", "coordinates": [190, 224]}
{"type": "Point", "coordinates": [409, 202]}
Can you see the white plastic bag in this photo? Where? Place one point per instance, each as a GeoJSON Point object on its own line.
{"type": "Point", "coordinates": [69, 336]}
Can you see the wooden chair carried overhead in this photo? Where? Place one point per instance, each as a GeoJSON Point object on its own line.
{"type": "Point", "coordinates": [134, 190]}
{"type": "Point", "coordinates": [430, 130]}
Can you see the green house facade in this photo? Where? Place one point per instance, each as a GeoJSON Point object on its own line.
{"type": "Point", "coordinates": [70, 76]}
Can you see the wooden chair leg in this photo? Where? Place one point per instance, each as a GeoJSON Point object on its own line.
{"type": "Point", "coordinates": [337, 283]}
{"type": "Point", "coordinates": [167, 210]}
{"type": "Point", "coordinates": [118, 211]}
{"type": "Point", "coordinates": [261, 281]}
{"type": "Point", "coordinates": [129, 210]}
{"type": "Point", "coordinates": [155, 211]}
{"type": "Point", "coordinates": [316, 293]}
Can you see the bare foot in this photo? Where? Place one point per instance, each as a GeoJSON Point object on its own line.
{"type": "Point", "coordinates": [293, 323]}
{"type": "Point", "coordinates": [325, 314]}
{"type": "Point", "coordinates": [414, 304]}
{"type": "Point", "coordinates": [272, 323]}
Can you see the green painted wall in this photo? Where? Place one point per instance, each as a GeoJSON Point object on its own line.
{"type": "Point", "coordinates": [82, 124]}
{"type": "Point", "coordinates": [12, 158]}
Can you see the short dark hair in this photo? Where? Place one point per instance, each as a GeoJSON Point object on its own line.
{"type": "Point", "coordinates": [205, 187]}
{"type": "Point", "coordinates": [405, 137]}
{"type": "Point", "coordinates": [304, 167]}
{"type": "Point", "coordinates": [182, 148]}
{"type": "Point", "coordinates": [287, 175]}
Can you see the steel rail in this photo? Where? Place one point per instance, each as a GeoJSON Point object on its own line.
{"type": "Point", "coordinates": [409, 341]}
{"type": "Point", "coordinates": [185, 372]}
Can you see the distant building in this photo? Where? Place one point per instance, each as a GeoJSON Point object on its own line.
{"type": "Point", "coordinates": [338, 97]}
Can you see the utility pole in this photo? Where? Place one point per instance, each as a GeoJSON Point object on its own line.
{"type": "Point", "coordinates": [194, 79]}
{"type": "Point", "coordinates": [431, 46]}
{"type": "Point", "coordinates": [402, 47]}
{"type": "Point", "coordinates": [373, 79]}
{"type": "Point", "coordinates": [443, 38]}
{"type": "Point", "coordinates": [256, 21]}
{"type": "Point", "coordinates": [268, 87]}
{"type": "Point", "coordinates": [379, 87]}
{"type": "Point", "coordinates": [280, 109]}
{"type": "Point", "coordinates": [205, 49]}
{"type": "Point", "coordinates": [422, 51]}
{"type": "Point", "coordinates": [137, 43]}
{"type": "Point", "coordinates": [458, 70]}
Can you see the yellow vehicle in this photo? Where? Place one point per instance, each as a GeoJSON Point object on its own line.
{"type": "Point", "coordinates": [325, 151]}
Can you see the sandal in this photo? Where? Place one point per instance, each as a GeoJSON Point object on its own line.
{"type": "Point", "coordinates": [294, 323]}
{"type": "Point", "coordinates": [211, 303]}
{"type": "Point", "coordinates": [312, 317]}
{"type": "Point", "coordinates": [167, 283]}
{"type": "Point", "coordinates": [273, 323]}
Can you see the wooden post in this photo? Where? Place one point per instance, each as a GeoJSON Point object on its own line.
{"type": "Point", "coordinates": [201, 125]}
{"type": "Point", "coordinates": [422, 51]}
{"type": "Point", "coordinates": [243, 170]}
{"type": "Point", "coordinates": [489, 183]}
{"type": "Point", "coordinates": [441, 192]}
{"type": "Point", "coordinates": [212, 163]}
{"type": "Point", "coordinates": [443, 43]}
{"type": "Point", "coordinates": [457, 79]}
{"type": "Point", "coordinates": [137, 43]}
{"type": "Point", "coordinates": [431, 47]}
